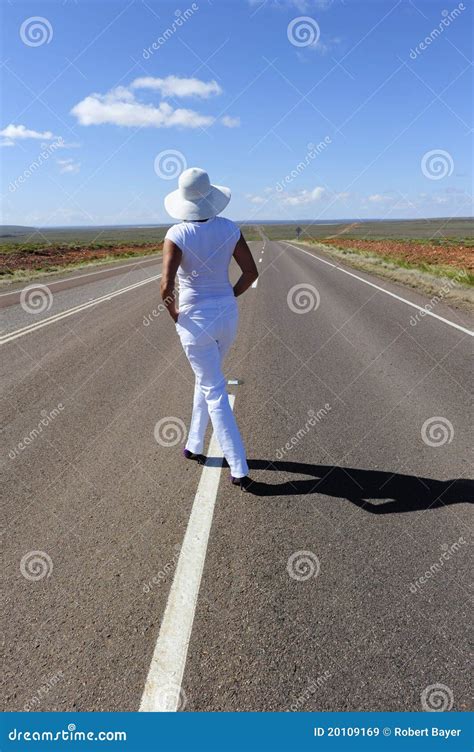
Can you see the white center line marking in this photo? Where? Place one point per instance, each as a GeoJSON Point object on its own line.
{"type": "Point", "coordinates": [254, 284]}
{"type": "Point", "coordinates": [162, 691]}
{"type": "Point", "coordinates": [387, 292]}
{"type": "Point", "coordinates": [10, 336]}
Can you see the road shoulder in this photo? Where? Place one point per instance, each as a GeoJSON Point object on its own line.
{"type": "Point", "coordinates": [450, 290]}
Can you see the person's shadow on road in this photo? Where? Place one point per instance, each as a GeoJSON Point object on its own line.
{"type": "Point", "coordinates": [393, 492]}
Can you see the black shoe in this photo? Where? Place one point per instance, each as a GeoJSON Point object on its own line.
{"type": "Point", "coordinates": [199, 458]}
{"type": "Point", "coordinates": [243, 483]}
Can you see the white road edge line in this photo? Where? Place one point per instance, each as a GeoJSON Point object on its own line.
{"type": "Point", "coordinates": [162, 692]}
{"type": "Point", "coordinates": [78, 276]}
{"type": "Point", "coordinates": [10, 336]}
{"type": "Point", "coordinates": [387, 292]}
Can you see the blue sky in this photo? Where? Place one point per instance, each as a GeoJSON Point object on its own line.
{"type": "Point", "coordinates": [316, 109]}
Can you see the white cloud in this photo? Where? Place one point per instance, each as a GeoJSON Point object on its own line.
{"type": "Point", "coordinates": [384, 200]}
{"type": "Point", "coordinates": [68, 166]}
{"type": "Point", "coordinates": [230, 122]}
{"type": "Point", "coordinates": [322, 47]}
{"type": "Point", "coordinates": [68, 145]}
{"type": "Point", "coordinates": [304, 196]}
{"type": "Point", "coordinates": [174, 86]}
{"type": "Point", "coordinates": [379, 198]}
{"type": "Point", "coordinates": [255, 199]}
{"type": "Point", "coordinates": [299, 198]}
{"type": "Point", "coordinates": [119, 107]}
{"type": "Point", "coordinates": [12, 133]}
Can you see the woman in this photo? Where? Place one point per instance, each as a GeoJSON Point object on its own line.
{"type": "Point", "coordinates": [199, 250]}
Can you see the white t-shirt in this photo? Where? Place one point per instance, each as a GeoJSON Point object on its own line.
{"type": "Point", "coordinates": [207, 249]}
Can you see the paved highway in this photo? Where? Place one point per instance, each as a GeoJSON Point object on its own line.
{"type": "Point", "coordinates": [135, 579]}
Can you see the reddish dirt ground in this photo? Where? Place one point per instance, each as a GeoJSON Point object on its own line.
{"type": "Point", "coordinates": [456, 255]}
{"type": "Point", "coordinates": [46, 258]}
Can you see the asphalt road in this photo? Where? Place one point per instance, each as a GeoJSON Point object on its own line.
{"type": "Point", "coordinates": [341, 582]}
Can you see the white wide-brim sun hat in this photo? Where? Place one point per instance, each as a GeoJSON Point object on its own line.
{"type": "Point", "coordinates": [196, 198]}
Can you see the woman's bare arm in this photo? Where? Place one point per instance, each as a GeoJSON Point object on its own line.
{"type": "Point", "coordinates": [244, 259]}
{"type": "Point", "coordinates": [171, 260]}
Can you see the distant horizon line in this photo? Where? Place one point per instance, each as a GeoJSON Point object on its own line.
{"type": "Point", "coordinates": [246, 221]}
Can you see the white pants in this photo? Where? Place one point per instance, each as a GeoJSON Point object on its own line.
{"type": "Point", "coordinates": [207, 330]}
